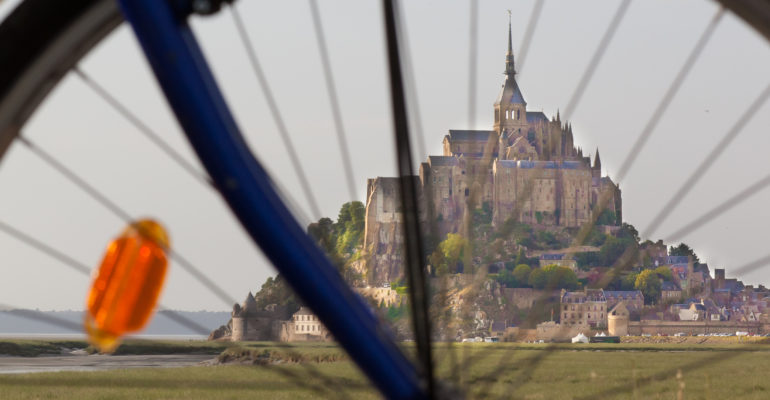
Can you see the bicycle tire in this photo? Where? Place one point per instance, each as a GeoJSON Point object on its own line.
{"type": "Point", "coordinates": [39, 42]}
{"type": "Point", "coordinates": [42, 39]}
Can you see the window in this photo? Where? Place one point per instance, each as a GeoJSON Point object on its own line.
{"type": "Point", "coordinates": [467, 192]}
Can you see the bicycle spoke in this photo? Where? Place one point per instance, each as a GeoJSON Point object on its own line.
{"type": "Point", "coordinates": [123, 215]}
{"type": "Point", "coordinates": [752, 266]}
{"type": "Point", "coordinates": [641, 140]}
{"type": "Point", "coordinates": [707, 162]}
{"type": "Point", "coordinates": [275, 112]}
{"type": "Point", "coordinates": [415, 266]}
{"type": "Point", "coordinates": [41, 317]}
{"type": "Point", "coordinates": [473, 51]}
{"type": "Point", "coordinates": [84, 270]}
{"type": "Point", "coordinates": [79, 267]}
{"type": "Point", "coordinates": [332, 90]}
{"type": "Point", "coordinates": [588, 73]}
{"type": "Point", "coordinates": [142, 127]}
{"type": "Point", "coordinates": [721, 209]}
{"type": "Point", "coordinates": [413, 102]}
{"type": "Point", "coordinates": [529, 33]}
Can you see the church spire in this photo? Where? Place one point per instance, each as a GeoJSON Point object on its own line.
{"type": "Point", "coordinates": [597, 161]}
{"type": "Point", "coordinates": [509, 65]}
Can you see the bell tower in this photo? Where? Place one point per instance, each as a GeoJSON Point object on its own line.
{"type": "Point", "coordinates": [510, 107]}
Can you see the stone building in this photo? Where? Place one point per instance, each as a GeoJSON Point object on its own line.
{"type": "Point", "coordinates": [250, 323]}
{"type": "Point", "coordinates": [526, 168]}
{"type": "Point", "coordinates": [560, 259]}
{"type": "Point", "coordinates": [304, 326]}
{"type": "Point", "coordinates": [634, 299]}
{"type": "Point", "coordinates": [669, 291]}
{"type": "Point", "coordinates": [584, 309]}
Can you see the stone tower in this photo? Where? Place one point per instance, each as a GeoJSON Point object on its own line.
{"type": "Point", "coordinates": [510, 107]}
{"type": "Point", "coordinates": [617, 320]}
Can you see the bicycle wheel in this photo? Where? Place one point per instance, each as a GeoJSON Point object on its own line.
{"type": "Point", "coordinates": [64, 35]}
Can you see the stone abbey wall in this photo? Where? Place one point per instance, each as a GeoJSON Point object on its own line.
{"type": "Point", "coordinates": [692, 327]}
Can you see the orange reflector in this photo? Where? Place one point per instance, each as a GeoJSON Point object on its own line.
{"type": "Point", "coordinates": [127, 285]}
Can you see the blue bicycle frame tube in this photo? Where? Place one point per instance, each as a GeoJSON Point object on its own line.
{"type": "Point", "coordinates": [189, 86]}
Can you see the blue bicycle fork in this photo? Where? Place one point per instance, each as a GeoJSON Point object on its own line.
{"type": "Point", "coordinates": [192, 92]}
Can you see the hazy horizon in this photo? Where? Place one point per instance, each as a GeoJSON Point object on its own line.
{"type": "Point", "coordinates": [650, 46]}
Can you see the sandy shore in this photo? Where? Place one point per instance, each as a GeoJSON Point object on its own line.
{"type": "Point", "coordinates": [19, 365]}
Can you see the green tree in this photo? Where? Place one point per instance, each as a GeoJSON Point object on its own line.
{"type": "Point", "coordinates": [684, 250]}
{"type": "Point", "coordinates": [628, 282]}
{"type": "Point", "coordinates": [323, 232]}
{"type": "Point", "coordinates": [558, 277]}
{"type": "Point", "coordinates": [438, 263]}
{"type": "Point", "coordinates": [506, 278]}
{"type": "Point", "coordinates": [595, 237]}
{"type": "Point", "coordinates": [628, 231]}
{"type": "Point", "coordinates": [607, 217]}
{"type": "Point", "coordinates": [521, 258]}
{"type": "Point", "coordinates": [612, 249]}
{"type": "Point", "coordinates": [350, 227]}
{"type": "Point", "coordinates": [664, 273]}
{"type": "Point", "coordinates": [649, 283]}
{"type": "Point", "coordinates": [521, 274]}
{"type": "Point", "coordinates": [453, 249]}
{"type": "Point", "coordinates": [537, 278]}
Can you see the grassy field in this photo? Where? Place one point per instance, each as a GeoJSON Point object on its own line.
{"type": "Point", "coordinates": [596, 371]}
{"type": "Point", "coordinates": [33, 348]}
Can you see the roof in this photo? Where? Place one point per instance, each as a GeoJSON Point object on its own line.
{"type": "Point", "coordinates": [733, 285]}
{"type": "Point", "coordinates": [536, 116]}
{"type": "Point", "coordinates": [303, 311]}
{"type": "Point", "coordinates": [538, 164]}
{"type": "Point", "coordinates": [552, 256]}
{"type": "Point", "coordinates": [669, 286]}
{"type": "Point", "coordinates": [442, 161]}
{"type": "Point", "coordinates": [702, 268]}
{"type": "Point", "coordinates": [582, 297]}
{"type": "Point", "coordinates": [526, 164]}
{"type": "Point", "coordinates": [624, 294]}
{"type": "Point", "coordinates": [677, 260]}
{"type": "Point", "coordinates": [571, 164]}
{"type": "Point", "coordinates": [469, 135]}
{"type": "Point", "coordinates": [510, 93]}
{"type": "Point", "coordinates": [250, 304]}
{"type": "Point", "coordinates": [498, 326]}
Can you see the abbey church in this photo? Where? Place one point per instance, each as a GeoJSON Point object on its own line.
{"type": "Point", "coordinates": [526, 168]}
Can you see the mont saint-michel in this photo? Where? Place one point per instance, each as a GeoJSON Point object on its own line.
{"type": "Point", "coordinates": [526, 169]}
{"type": "Point", "coordinates": [525, 241]}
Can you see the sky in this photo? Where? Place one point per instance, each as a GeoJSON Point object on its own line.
{"type": "Point", "coordinates": [650, 46]}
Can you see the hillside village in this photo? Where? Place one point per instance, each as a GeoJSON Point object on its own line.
{"type": "Point", "coordinates": [525, 241]}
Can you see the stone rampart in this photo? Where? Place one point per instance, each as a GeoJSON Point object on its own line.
{"type": "Point", "coordinates": [647, 327]}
